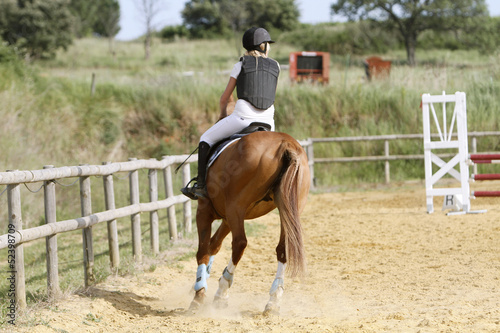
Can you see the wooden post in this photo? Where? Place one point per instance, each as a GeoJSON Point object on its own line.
{"type": "Point", "coordinates": [92, 85]}
{"type": "Point", "coordinates": [387, 166]}
{"type": "Point", "coordinates": [310, 157]}
{"type": "Point", "coordinates": [87, 243]}
{"type": "Point", "coordinates": [153, 216]}
{"type": "Point", "coordinates": [169, 190]}
{"type": "Point", "coordinates": [15, 223]}
{"type": "Point", "coordinates": [186, 176]}
{"type": "Point", "coordinates": [49, 189]}
{"type": "Point", "coordinates": [109, 197]}
{"type": "Point", "coordinates": [135, 218]}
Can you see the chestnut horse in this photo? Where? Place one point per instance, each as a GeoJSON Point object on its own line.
{"type": "Point", "coordinates": [251, 177]}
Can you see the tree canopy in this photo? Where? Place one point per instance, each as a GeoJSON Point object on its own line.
{"type": "Point", "coordinates": [206, 18]}
{"type": "Point", "coordinates": [411, 17]}
{"type": "Point", "coordinates": [37, 28]}
{"type": "Point", "coordinates": [98, 16]}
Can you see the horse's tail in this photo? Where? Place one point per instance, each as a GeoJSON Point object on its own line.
{"type": "Point", "coordinates": [288, 204]}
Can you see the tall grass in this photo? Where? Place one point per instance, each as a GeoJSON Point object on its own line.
{"type": "Point", "coordinates": [160, 107]}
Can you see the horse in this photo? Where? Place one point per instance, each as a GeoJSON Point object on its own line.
{"type": "Point", "coordinates": [260, 172]}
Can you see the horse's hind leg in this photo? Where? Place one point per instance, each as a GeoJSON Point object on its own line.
{"type": "Point", "coordinates": [239, 244]}
{"type": "Point", "coordinates": [215, 244]}
{"type": "Point", "coordinates": [278, 286]}
{"type": "Point", "coordinates": [218, 237]}
{"type": "Point", "coordinates": [204, 218]}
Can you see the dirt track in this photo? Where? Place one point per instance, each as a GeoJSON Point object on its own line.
{"type": "Point", "coordinates": [376, 262]}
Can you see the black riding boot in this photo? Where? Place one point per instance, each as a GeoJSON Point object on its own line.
{"type": "Point", "coordinates": [199, 188]}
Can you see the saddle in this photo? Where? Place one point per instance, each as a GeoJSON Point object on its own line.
{"type": "Point", "coordinates": [219, 147]}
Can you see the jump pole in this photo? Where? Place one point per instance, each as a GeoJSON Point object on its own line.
{"type": "Point", "coordinates": [485, 158]}
{"type": "Point", "coordinates": [488, 158]}
{"type": "Point", "coordinates": [486, 176]}
{"type": "Point", "coordinates": [485, 193]}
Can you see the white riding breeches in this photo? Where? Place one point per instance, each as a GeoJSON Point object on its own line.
{"type": "Point", "coordinates": [228, 126]}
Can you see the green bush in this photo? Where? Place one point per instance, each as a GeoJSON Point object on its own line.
{"type": "Point", "coordinates": [342, 38]}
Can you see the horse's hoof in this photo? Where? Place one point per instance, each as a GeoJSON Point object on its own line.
{"type": "Point", "coordinates": [198, 301]}
{"type": "Point", "coordinates": [271, 310]}
{"type": "Point", "coordinates": [195, 306]}
{"type": "Point", "coordinates": [220, 303]}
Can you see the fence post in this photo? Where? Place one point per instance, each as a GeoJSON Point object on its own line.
{"type": "Point", "coordinates": [169, 190]}
{"type": "Point", "coordinates": [387, 166]}
{"type": "Point", "coordinates": [92, 85]}
{"type": "Point", "coordinates": [186, 176]}
{"type": "Point", "coordinates": [153, 216]}
{"type": "Point", "coordinates": [15, 222]}
{"type": "Point", "coordinates": [87, 243]}
{"type": "Point", "coordinates": [49, 189]}
{"type": "Point", "coordinates": [135, 218]}
{"type": "Point", "coordinates": [109, 197]}
{"type": "Point", "coordinates": [310, 157]}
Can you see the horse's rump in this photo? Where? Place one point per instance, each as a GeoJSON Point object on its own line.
{"type": "Point", "coordinates": [258, 173]}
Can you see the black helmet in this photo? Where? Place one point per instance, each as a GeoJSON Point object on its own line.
{"type": "Point", "coordinates": [253, 37]}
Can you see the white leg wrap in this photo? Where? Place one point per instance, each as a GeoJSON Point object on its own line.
{"type": "Point", "coordinates": [225, 281]}
{"type": "Point", "coordinates": [201, 278]}
{"type": "Point", "coordinates": [209, 266]}
{"type": "Point", "coordinates": [279, 282]}
{"type": "Point", "coordinates": [277, 289]}
{"type": "Point", "coordinates": [230, 266]}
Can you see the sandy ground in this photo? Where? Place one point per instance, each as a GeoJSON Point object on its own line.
{"type": "Point", "coordinates": [377, 262]}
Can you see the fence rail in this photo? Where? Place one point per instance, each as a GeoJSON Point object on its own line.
{"type": "Point", "coordinates": [387, 157]}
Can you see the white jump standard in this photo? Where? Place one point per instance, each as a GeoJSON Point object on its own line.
{"type": "Point", "coordinates": [446, 140]}
{"type": "Point", "coordinates": [458, 199]}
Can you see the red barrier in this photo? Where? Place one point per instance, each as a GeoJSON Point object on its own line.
{"type": "Point", "coordinates": [486, 161]}
{"type": "Point", "coordinates": [485, 158]}
{"type": "Point", "coordinates": [489, 157]}
{"type": "Point", "coordinates": [487, 176]}
{"type": "Point", "coordinates": [486, 193]}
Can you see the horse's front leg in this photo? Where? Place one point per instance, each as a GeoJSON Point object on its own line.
{"type": "Point", "coordinates": [204, 219]}
{"type": "Point", "coordinates": [278, 286]}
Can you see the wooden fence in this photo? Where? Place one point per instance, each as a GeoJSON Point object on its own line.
{"type": "Point", "coordinates": [15, 238]}
{"type": "Point", "coordinates": [387, 157]}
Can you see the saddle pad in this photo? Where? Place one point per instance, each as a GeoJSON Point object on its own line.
{"type": "Point", "coordinates": [220, 149]}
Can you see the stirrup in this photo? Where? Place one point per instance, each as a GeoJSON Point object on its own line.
{"type": "Point", "coordinates": [194, 192]}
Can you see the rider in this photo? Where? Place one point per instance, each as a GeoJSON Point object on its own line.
{"type": "Point", "coordinates": [255, 77]}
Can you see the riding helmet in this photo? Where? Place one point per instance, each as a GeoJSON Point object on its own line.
{"type": "Point", "coordinates": [253, 37]}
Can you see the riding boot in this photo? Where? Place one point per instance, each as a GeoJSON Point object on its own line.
{"type": "Point", "coordinates": [199, 188]}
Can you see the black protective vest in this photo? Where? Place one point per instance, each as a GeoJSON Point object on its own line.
{"type": "Point", "coordinates": [257, 81]}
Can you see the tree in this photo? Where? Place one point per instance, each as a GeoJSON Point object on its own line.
{"type": "Point", "coordinates": [218, 17]}
{"type": "Point", "coordinates": [203, 18]}
{"type": "Point", "coordinates": [411, 17]}
{"type": "Point", "coordinates": [107, 20]}
{"type": "Point", "coordinates": [148, 9]}
{"type": "Point", "coordinates": [36, 27]}
{"type": "Point", "coordinates": [84, 13]}
{"type": "Point", "coordinates": [278, 14]}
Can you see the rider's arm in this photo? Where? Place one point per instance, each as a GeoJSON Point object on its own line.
{"type": "Point", "coordinates": [226, 97]}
